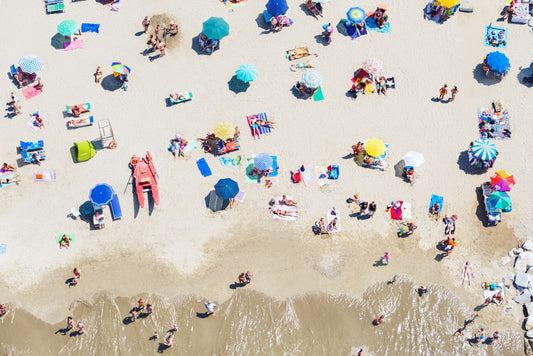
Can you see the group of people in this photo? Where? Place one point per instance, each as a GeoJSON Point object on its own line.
{"type": "Point", "coordinates": [379, 17]}
{"type": "Point", "coordinates": [207, 44]}
{"type": "Point", "coordinates": [177, 146]}
{"type": "Point", "coordinates": [444, 90]}
{"type": "Point", "coordinates": [24, 79]}
{"type": "Point", "coordinates": [212, 144]}
{"type": "Point", "coordinates": [305, 91]}
{"type": "Point", "coordinates": [360, 206]}
{"type": "Point", "coordinates": [278, 22]}
{"type": "Point", "coordinates": [245, 278]}
{"type": "Point", "coordinates": [256, 122]}
{"type": "Point", "coordinates": [154, 41]}
{"type": "Point", "coordinates": [141, 304]}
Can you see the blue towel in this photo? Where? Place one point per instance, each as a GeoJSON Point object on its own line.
{"type": "Point", "coordinates": [353, 31]}
{"type": "Point", "coordinates": [372, 25]}
{"type": "Point", "coordinates": [203, 167]}
{"type": "Point", "coordinates": [334, 174]}
{"type": "Point", "coordinates": [90, 27]}
{"type": "Point", "coordinates": [3, 249]}
{"type": "Point", "coordinates": [436, 199]}
{"type": "Point", "coordinates": [496, 37]}
{"type": "Point", "coordinates": [274, 166]}
{"type": "Point", "coordinates": [263, 129]}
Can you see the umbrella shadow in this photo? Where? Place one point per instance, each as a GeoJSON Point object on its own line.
{"type": "Point", "coordinates": [237, 86]}
{"type": "Point", "coordinates": [465, 166]}
{"type": "Point", "coordinates": [398, 169]}
{"type": "Point", "coordinates": [214, 203]}
{"type": "Point", "coordinates": [261, 23]}
{"type": "Point", "coordinates": [58, 40]}
{"type": "Point", "coordinates": [481, 78]}
{"type": "Point", "coordinates": [297, 93]}
{"type": "Point", "coordinates": [525, 76]}
{"type": "Point", "coordinates": [196, 46]}
{"type": "Point", "coordinates": [341, 28]}
{"type": "Point", "coordinates": [111, 83]}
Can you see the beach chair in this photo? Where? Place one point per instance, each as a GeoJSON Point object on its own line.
{"type": "Point", "coordinates": [267, 16]}
{"type": "Point", "coordinates": [28, 148]}
{"type": "Point", "coordinates": [183, 96]}
{"type": "Point", "coordinates": [115, 207]}
{"type": "Point", "coordinates": [12, 70]}
{"type": "Point", "coordinates": [494, 215]}
{"type": "Point", "coordinates": [52, 8]}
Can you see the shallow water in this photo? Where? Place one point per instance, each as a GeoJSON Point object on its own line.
{"type": "Point", "coordinates": [253, 323]}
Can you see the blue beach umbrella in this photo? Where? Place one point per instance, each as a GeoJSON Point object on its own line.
{"type": "Point", "coordinates": [215, 28]}
{"type": "Point", "coordinates": [226, 188]}
{"type": "Point", "coordinates": [277, 7]}
{"type": "Point", "coordinates": [500, 200]}
{"type": "Point", "coordinates": [263, 161]}
{"type": "Point", "coordinates": [101, 194]}
{"type": "Point", "coordinates": [246, 73]}
{"type": "Point", "coordinates": [30, 63]}
{"type": "Point", "coordinates": [356, 15]}
{"type": "Point", "coordinates": [312, 79]}
{"type": "Point", "coordinates": [484, 150]}
{"type": "Point", "coordinates": [498, 62]}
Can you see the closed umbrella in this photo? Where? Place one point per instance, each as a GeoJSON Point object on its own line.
{"type": "Point", "coordinates": [246, 73]}
{"type": "Point", "coordinates": [120, 68]}
{"type": "Point", "coordinates": [373, 65]}
{"type": "Point", "coordinates": [356, 15]}
{"type": "Point", "coordinates": [263, 161]}
{"type": "Point", "coordinates": [375, 147]}
{"type": "Point", "coordinates": [448, 3]}
{"type": "Point", "coordinates": [30, 63]}
{"type": "Point", "coordinates": [68, 27]}
{"type": "Point", "coordinates": [413, 159]}
{"type": "Point", "coordinates": [484, 150]}
{"type": "Point", "coordinates": [498, 62]}
{"type": "Point", "coordinates": [226, 188]}
{"type": "Point", "coordinates": [224, 130]}
{"type": "Point", "coordinates": [101, 194]}
{"type": "Point", "coordinates": [500, 200]}
{"type": "Point", "coordinates": [312, 79]}
{"type": "Point", "coordinates": [215, 28]}
{"type": "Point", "coordinates": [277, 7]}
{"type": "Point", "coordinates": [502, 181]}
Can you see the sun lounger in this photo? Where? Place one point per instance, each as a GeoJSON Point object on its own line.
{"type": "Point", "coordinates": [58, 7]}
{"type": "Point", "coordinates": [494, 215]}
{"type": "Point", "coordinates": [298, 53]}
{"type": "Point", "coordinates": [186, 97]}
{"type": "Point", "coordinates": [7, 176]}
{"type": "Point", "coordinates": [45, 176]}
{"type": "Point", "coordinates": [13, 70]}
{"type": "Point", "coordinates": [115, 207]}
{"type": "Point", "coordinates": [85, 121]}
{"type": "Point", "coordinates": [85, 108]}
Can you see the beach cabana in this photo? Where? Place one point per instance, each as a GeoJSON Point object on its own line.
{"type": "Point", "coordinates": [496, 64]}
{"type": "Point", "coordinates": [84, 150]}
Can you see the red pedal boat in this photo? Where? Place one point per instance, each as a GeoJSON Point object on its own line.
{"type": "Point", "coordinates": [144, 175]}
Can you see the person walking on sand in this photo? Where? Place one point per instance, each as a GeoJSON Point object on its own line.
{"type": "Point", "coordinates": [146, 23]}
{"type": "Point", "coordinates": [378, 320]}
{"type": "Point", "coordinates": [15, 104]}
{"type": "Point", "coordinates": [249, 276]}
{"type": "Point", "coordinates": [443, 91]}
{"type": "Point", "coordinates": [386, 256]}
{"type": "Point", "coordinates": [467, 272]}
{"type": "Point", "coordinates": [362, 207]}
{"type": "Point", "coordinates": [372, 209]}
{"type": "Point", "coordinates": [81, 328]}
{"type": "Point", "coordinates": [453, 93]}
{"type": "Point", "coordinates": [133, 313]}
{"type": "Point", "coordinates": [70, 323]}
{"type": "Point", "coordinates": [140, 304]}
{"type": "Point", "coordinates": [77, 272]}
{"type": "Point", "coordinates": [210, 308]}
{"type": "Point", "coordinates": [394, 279]}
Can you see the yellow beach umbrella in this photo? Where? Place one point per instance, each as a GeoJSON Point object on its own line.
{"type": "Point", "coordinates": [224, 130]}
{"type": "Point", "coordinates": [375, 147]}
{"type": "Point", "coordinates": [448, 3]}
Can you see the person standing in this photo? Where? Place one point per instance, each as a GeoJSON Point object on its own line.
{"type": "Point", "coordinates": [453, 93]}
{"type": "Point", "coordinates": [363, 205]}
{"type": "Point", "coordinates": [249, 276]}
{"type": "Point", "coordinates": [81, 328]}
{"type": "Point", "coordinates": [70, 323]}
{"type": "Point", "coordinates": [15, 104]}
{"type": "Point", "coordinates": [149, 309]}
{"type": "Point", "coordinates": [146, 23]}
{"type": "Point", "coordinates": [210, 307]}
{"type": "Point", "coordinates": [443, 91]}
{"type": "Point", "coordinates": [386, 256]}
{"type": "Point", "coordinates": [372, 209]}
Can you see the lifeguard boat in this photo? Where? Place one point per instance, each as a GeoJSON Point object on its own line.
{"type": "Point", "coordinates": [144, 175]}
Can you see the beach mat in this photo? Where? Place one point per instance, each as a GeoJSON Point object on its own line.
{"type": "Point", "coordinates": [32, 124]}
{"type": "Point", "coordinates": [45, 176]}
{"type": "Point", "coordinates": [436, 199]}
{"type": "Point", "coordinates": [31, 92]}
{"type": "Point", "coordinates": [308, 176]}
{"type": "Point", "coordinates": [274, 166]}
{"type": "Point", "coordinates": [318, 96]}
{"type": "Point", "coordinates": [492, 125]}
{"type": "Point", "coordinates": [495, 37]}
{"type": "Point", "coordinates": [249, 177]}
{"type": "Point", "coordinates": [322, 175]}
{"type": "Point", "coordinates": [203, 167]}
{"type": "Point", "coordinates": [68, 46]}
{"type": "Point", "coordinates": [90, 27]}
{"type": "Point", "coordinates": [330, 218]}
{"type": "Point", "coordinates": [372, 25]}
{"type": "Point", "coordinates": [70, 237]}
{"type": "Point", "coordinates": [466, 6]}
{"type": "Point", "coordinates": [240, 196]}
{"type": "Point", "coordinates": [230, 161]}
{"type": "Point", "coordinates": [3, 248]}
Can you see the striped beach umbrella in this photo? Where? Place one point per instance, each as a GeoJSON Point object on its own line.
{"type": "Point", "coordinates": [375, 147]}
{"type": "Point", "coordinates": [500, 200]}
{"type": "Point", "coordinates": [246, 73]}
{"type": "Point", "coordinates": [373, 65]}
{"type": "Point", "coordinates": [120, 68]}
{"type": "Point", "coordinates": [356, 15]}
{"type": "Point", "coordinates": [484, 150]}
{"type": "Point", "coordinates": [224, 130]}
{"type": "Point", "coordinates": [502, 181]}
{"type": "Point", "coordinates": [30, 64]}
{"type": "Point", "coordinates": [312, 79]}
{"type": "Point", "coordinates": [68, 27]}
{"type": "Point", "coordinates": [263, 161]}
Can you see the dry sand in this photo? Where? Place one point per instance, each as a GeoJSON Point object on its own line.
{"type": "Point", "coordinates": [180, 246]}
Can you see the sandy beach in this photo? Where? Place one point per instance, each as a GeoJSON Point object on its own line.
{"type": "Point", "coordinates": [181, 254]}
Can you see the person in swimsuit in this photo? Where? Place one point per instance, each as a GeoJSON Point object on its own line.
{"type": "Point", "coordinates": [249, 276]}
{"type": "Point", "coordinates": [255, 126]}
{"type": "Point", "coordinates": [210, 307]}
{"type": "Point", "coordinates": [157, 30]}
{"type": "Point", "coordinates": [323, 227]}
{"type": "Point", "coordinates": [3, 310]}
{"type": "Point", "coordinates": [382, 86]}
{"type": "Point", "coordinates": [467, 272]}
{"type": "Point", "coordinates": [7, 167]}
{"type": "Point", "coordinates": [39, 85]}
{"type": "Point", "coordinates": [443, 91]}
{"type": "Point", "coordinates": [65, 242]}
{"type": "Point", "coordinates": [242, 278]}
{"type": "Point", "coordinates": [38, 121]}
{"type": "Point", "coordinates": [454, 92]}
{"type": "Point", "coordinates": [98, 74]}
{"type": "Point", "coordinates": [378, 320]}
{"type": "Point", "coordinates": [15, 104]}
{"type": "Point", "coordinates": [422, 290]}
{"type": "Point", "coordinates": [81, 328]}
{"type": "Point", "coordinates": [146, 23]}
{"type": "Point", "coordinates": [481, 335]}
{"type": "Point", "coordinates": [461, 331]}
{"type": "Point", "coordinates": [311, 6]}
{"type": "Point", "coordinates": [8, 180]}
{"type": "Point", "coordinates": [285, 201]}
{"type": "Point", "coordinates": [140, 304]}
{"type": "Point", "coordinates": [169, 340]}
{"type": "Point", "coordinates": [280, 212]}
{"type": "Point", "coordinates": [265, 123]}
{"type": "Point", "coordinates": [149, 308]}
{"type": "Point", "coordinates": [77, 272]}
{"type": "Point", "coordinates": [372, 209]}
{"type": "Point", "coordinates": [70, 323]}
{"type": "Point", "coordinates": [77, 110]}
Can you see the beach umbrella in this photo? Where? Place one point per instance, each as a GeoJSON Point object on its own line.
{"type": "Point", "coordinates": [263, 161]}
{"type": "Point", "coordinates": [312, 79]}
{"type": "Point", "coordinates": [502, 181]}
{"type": "Point", "coordinates": [373, 65]}
{"type": "Point", "coordinates": [246, 73]}
{"type": "Point", "coordinates": [356, 15]}
{"type": "Point", "coordinates": [500, 200]}
{"type": "Point", "coordinates": [413, 159]}
{"type": "Point", "coordinates": [226, 188]}
{"type": "Point", "coordinates": [215, 28]}
{"type": "Point", "coordinates": [30, 63]}
{"type": "Point", "coordinates": [498, 62]}
{"type": "Point", "coordinates": [120, 68]}
{"type": "Point", "coordinates": [68, 27]}
{"type": "Point", "coordinates": [224, 130]}
{"type": "Point", "coordinates": [484, 150]}
{"type": "Point", "coordinates": [448, 3]}
{"type": "Point", "coordinates": [277, 7]}
{"type": "Point", "coordinates": [375, 147]}
{"type": "Point", "coordinates": [101, 194]}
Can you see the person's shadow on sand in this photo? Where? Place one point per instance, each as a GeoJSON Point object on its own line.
{"type": "Point", "coordinates": [202, 315]}
{"type": "Point", "coordinates": [63, 331]}
{"type": "Point", "coordinates": [70, 282]}
{"type": "Point", "coordinates": [162, 347]}
{"type": "Point", "coordinates": [236, 285]}
{"type": "Point", "coordinates": [379, 263]}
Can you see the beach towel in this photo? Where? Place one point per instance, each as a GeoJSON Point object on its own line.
{"type": "Point", "coordinates": [330, 218]}
{"type": "Point", "coordinates": [203, 167]}
{"type": "Point", "coordinates": [495, 37]}
{"type": "Point", "coordinates": [70, 237]}
{"type": "Point", "coordinates": [264, 129]}
{"type": "Point", "coordinates": [286, 208]}
{"type": "Point", "coordinates": [32, 124]}
{"type": "Point", "coordinates": [90, 27]}
{"type": "Point", "coordinates": [353, 31]}
{"type": "Point", "coordinates": [493, 125]}
{"type": "Point", "coordinates": [73, 45]}
{"type": "Point", "coordinates": [322, 175]}
{"type": "Point", "coordinates": [436, 199]}
{"type": "Point", "coordinates": [466, 6]}
{"type": "Point", "coordinates": [249, 177]}
{"type": "Point", "coordinates": [31, 92]}
{"type": "Point", "coordinates": [230, 161]}
{"type": "Point", "coordinates": [372, 25]}
{"type": "Point", "coordinates": [318, 96]}
{"type": "Point", "coordinates": [488, 293]}
{"type": "Point", "coordinates": [45, 176]}
{"type": "Point", "coordinates": [7, 176]}
{"type": "Point", "coordinates": [240, 196]}
{"type": "Point", "coordinates": [274, 166]}
{"type": "Point", "coordinates": [400, 210]}
{"type": "Point", "coordinates": [3, 248]}
{"type": "Point", "coordinates": [390, 83]}
{"type": "Point", "coordinates": [308, 176]}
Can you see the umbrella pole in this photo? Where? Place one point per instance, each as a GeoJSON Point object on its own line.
{"type": "Point", "coordinates": [129, 180]}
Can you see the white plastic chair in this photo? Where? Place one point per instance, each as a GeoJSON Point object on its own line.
{"type": "Point", "coordinates": [75, 213]}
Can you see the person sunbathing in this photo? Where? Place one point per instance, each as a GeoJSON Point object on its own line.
{"type": "Point", "coordinates": [254, 125]}
{"type": "Point", "coordinates": [265, 123]}
{"type": "Point", "coordinates": [280, 212]}
{"type": "Point", "coordinates": [39, 85]}
{"type": "Point", "coordinates": [311, 6]}
{"type": "Point", "coordinates": [65, 242]}
{"type": "Point", "coordinates": [177, 97]}
{"type": "Point", "coordinates": [38, 121]}
{"type": "Point", "coordinates": [8, 180]}
{"type": "Point", "coordinates": [35, 159]}
{"type": "Point", "coordinates": [77, 110]}
{"type": "Point", "coordinates": [435, 209]}
{"type": "Point", "coordinates": [410, 175]}
{"type": "Point", "coordinates": [333, 225]}
{"type": "Point", "coordinates": [274, 24]}
{"type": "Point", "coordinates": [509, 11]}
{"type": "Point", "coordinates": [288, 202]}
{"type": "Point", "coordinates": [7, 167]}
{"type": "Point", "coordinates": [382, 85]}
{"type": "Point", "coordinates": [21, 79]}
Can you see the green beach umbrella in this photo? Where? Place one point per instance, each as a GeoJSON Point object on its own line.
{"type": "Point", "coordinates": [67, 27]}
{"type": "Point", "coordinates": [500, 200]}
{"type": "Point", "coordinates": [215, 28]}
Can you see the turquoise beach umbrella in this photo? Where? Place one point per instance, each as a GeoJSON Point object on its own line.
{"type": "Point", "coordinates": [246, 73]}
{"type": "Point", "coordinates": [215, 28]}
{"type": "Point", "coordinates": [67, 27]}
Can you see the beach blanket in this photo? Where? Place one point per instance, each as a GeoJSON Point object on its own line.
{"type": "Point", "coordinates": [308, 176]}
{"type": "Point", "coordinates": [90, 27]}
{"type": "Point", "coordinates": [262, 129]}
{"type": "Point", "coordinates": [495, 37]}
{"type": "Point", "coordinates": [390, 83]}
{"type": "Point", "coordinates": [45, 176]}
{"type": "Point", "coordinates": [230, 4]}
{"type": "Point", "coordinates": [3, 248]}
{"type": "Point", "coordinates": [7, 176]}
{"type": "Point", "coordinates": [400, 210]}
{"type": "Point", "coordinates": [274, 166]}
{"type": "Point", "coordinates": [203, 167]}
{"type": "Point", "coordinates": [73, 45]}
{"type": "Point", "coordinates": [318, 95]}
{"type": "Point", "coordinates": [436, 199]}
{"type": "Point", "coordinates": [372, 25]}
{"type": "Point", "coordinates": [60, 236]}
{"type": "Point", "coordinates": [492, 125]}
{"type": "Point", "coordinates": [488, 293]}
{"type": "Point", "coordinates": [330, 218]}
{"type": "Point", "coordinates": [284, 208]}
{"type": "Point", "coordinates": [31, 92]}
{"type": "Point", "coordinates": [249, 177]}
{"type": "Point", "coordinates": [353, 31]}
{"type": "Point", "coordinates": [240, 196]}
{"type": "Point", "coordinates": [322, 174]}
{"type": "Point", "coordinates": [230, 161]}
{"type": "Point", "coordinates": [32, 124]}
